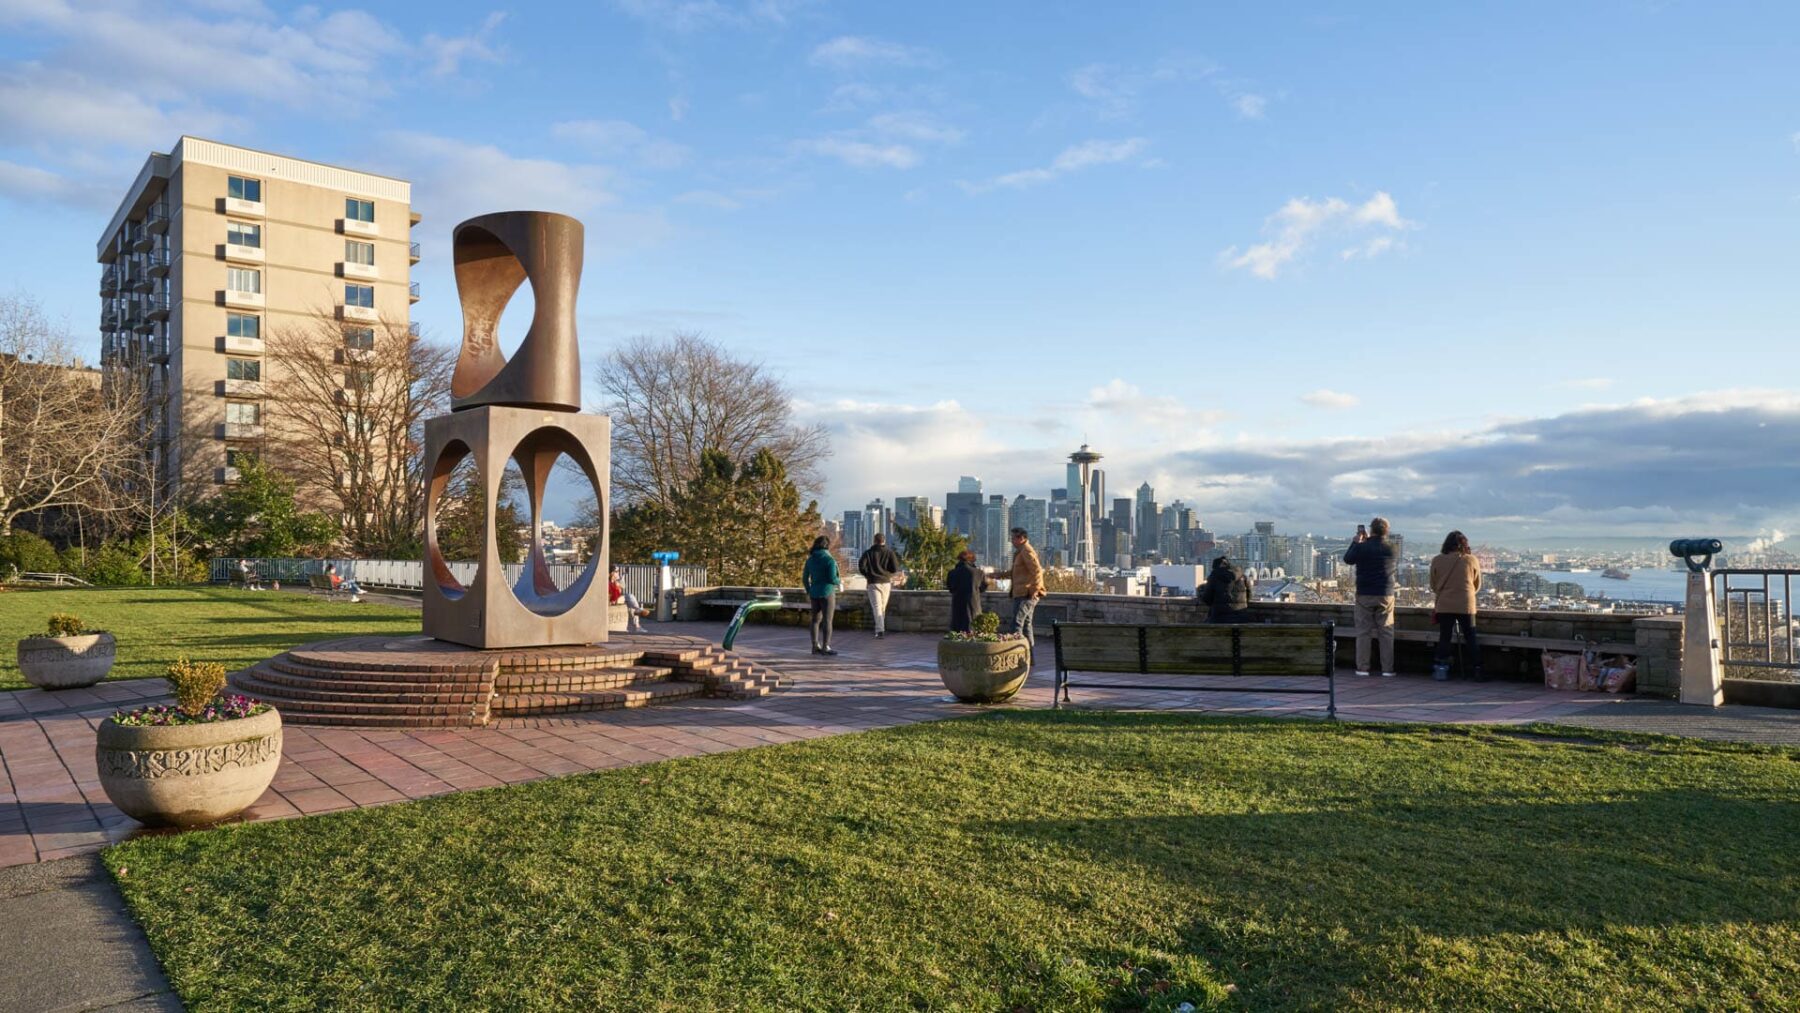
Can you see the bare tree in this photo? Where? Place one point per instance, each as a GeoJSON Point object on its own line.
{"type": "Point", "coordinates": [63, 432]}
{"type": "Point", "coordinates": [349, 404]}
{"type": "Point", "coordinates": [673, 399]}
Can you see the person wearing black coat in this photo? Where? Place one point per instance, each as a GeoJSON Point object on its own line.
{"type": "Point", "coordinates": [1226, 593]}
{"type": "Point", "coordinates": [966, 583]}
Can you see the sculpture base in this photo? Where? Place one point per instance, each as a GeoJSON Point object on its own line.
{"type": "Point", "coordinates": [487, 613]}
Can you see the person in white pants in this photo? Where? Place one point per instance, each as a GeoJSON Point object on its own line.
{"type": "Point", "coordinates": [880, 566]}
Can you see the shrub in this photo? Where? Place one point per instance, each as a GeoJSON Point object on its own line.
{"type": "Point", "coordinates": [62, 624]}
{"type": "Point", "coordinates": [114, 565]}
{"type": "Point", "coordinates": [27, 553]}
{"type": "Point", "coordinates": [196, 684]}
{"type": "Point", "coordinates": [987, 623]}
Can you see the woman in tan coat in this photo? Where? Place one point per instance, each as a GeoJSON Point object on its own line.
{"type": "Point", "coordinates": [1455, 577]}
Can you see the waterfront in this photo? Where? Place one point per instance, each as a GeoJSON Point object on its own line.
{"type": "Point", "coordinates": [1645, 585]}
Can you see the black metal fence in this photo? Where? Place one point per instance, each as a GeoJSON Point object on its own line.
{"type": "Point", "coordinates": [1757, 631]}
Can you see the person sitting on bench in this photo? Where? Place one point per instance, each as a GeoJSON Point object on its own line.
{"type": "Point", "coordinates": [248, 577]}
{"type": "Point", "coordinates": [616, 593]}
{"type": "Point", "coordinates": [1226, 593]}
{"type": "Point", "coordinates": [339, 583]}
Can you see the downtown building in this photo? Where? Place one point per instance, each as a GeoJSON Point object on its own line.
{"type": "Point", "coordinates": [211, 249]}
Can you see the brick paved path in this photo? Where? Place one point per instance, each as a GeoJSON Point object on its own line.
{"type": "Point", "coordinates": [51, 804]}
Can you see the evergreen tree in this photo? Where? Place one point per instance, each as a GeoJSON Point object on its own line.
{"type": "Point", "coordinates": [744, 524]}
{"type": "Point", "coordinates": [257, 516]}
{"type": "Point", "coordinates": [928, 552]}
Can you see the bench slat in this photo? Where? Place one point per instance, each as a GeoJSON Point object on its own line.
{"type": "Point", "coordinates": [1287, 651]}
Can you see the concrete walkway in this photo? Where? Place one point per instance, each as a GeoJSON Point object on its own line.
{"type": "Point", "coordinates": [71, 945]}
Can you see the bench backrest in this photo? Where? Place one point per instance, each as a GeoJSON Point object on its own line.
{"type": "Point", "coordinates": [1195, 650]}
{"type": "Point", "coordinates": [320, 580]}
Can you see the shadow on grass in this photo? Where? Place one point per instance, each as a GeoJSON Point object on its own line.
{"type": "Point", "coordinates": [1320, 894]}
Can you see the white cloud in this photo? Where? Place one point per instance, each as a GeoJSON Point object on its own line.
{"type": "Point", "coordinates": [454, 179]}
{"type": "Point", "coordinates": [621, 139]}
{"type": "Point", "coordinates": [915, 126]}
{"type": "Point", "coordinates": [855, 52]}
{"type": "Point", "coordinates": [1250, 107]}
{"type": "Point", "coordinates": [1071, 159]}
{"type": "Point", "coordinates": [862, 154]}
{"type": "Point", "coordinates": [1114, 93]}
{"type": "Point", "coordinates": [1302, 221]}
{"type": "Point", "coordinates": [448, 53]}
{"type": "Point", "coordinates": [678, 108]}
{"type": "Point", "coordinates": [32, 185]}
{"type": "Point", "coordinates": [1157, 413]}
{"type": "Point", "coordinates": [1324, 398]}
{"type": "Point", "coordinates": [700, 15]}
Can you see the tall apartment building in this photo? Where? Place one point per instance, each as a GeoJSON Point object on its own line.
{"type": "Point", "coordinates": [212, 248]}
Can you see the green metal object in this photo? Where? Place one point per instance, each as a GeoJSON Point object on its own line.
{"type": "Point", "coordinates": [744, 610]}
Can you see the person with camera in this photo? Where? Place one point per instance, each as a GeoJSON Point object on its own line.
{"type": "Point", "coordinates": [1376, 563]}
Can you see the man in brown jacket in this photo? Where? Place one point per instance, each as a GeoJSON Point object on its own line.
{"type": "Point", "coordinates": [1027, 577]}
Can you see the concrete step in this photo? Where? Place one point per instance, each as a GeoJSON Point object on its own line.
{"type": "Point", "coordinates": [574, 682]}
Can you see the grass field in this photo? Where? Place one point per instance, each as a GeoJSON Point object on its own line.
{"type": "Point", "coordinates": [154, 625]}
{"type": "Point", "coordinates": [1025, 860]}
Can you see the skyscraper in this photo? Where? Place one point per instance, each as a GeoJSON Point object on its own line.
{"type": "Point", "coordinates": [1149, 526]}
{"type": "Point", "coordinates": [962, 508]}
{"type": "Point", "coordinates": [909, 509]}
{"type": "Point", "coordinates": [995, 523]}
{"type": "Point", "coordinates": [1033, 515]}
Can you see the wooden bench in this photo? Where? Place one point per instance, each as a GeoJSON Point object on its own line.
{"type": "Point", "coordinates": [1234, 650]}
{"type": "Point", "coordinates": [322, 582]}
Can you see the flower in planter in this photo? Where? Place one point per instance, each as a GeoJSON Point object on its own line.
{"type": "Point", "coordinates": [229, 708]}
{"type": "Point", "coordinates": [63, 624]}
{"type": "Point", "coordinates": [987, 631]}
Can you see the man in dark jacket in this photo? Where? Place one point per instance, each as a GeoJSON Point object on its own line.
{"type": "Point", "coordinates": [879, 566]}
{"type": "Point", "coordinates": [1375, 561]}
{"type": "Point", "coordinates": [1226, 593]}
{"type": "Point", "coordinates": [966, 583]}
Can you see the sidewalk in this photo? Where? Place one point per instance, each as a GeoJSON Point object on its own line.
{"type": "Point", "coordinates": [51, 804]}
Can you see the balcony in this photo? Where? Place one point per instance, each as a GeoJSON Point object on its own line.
{"type": "Point", "coordinates": [109, 280]}
{"type": "Point", "coordinates": [361, 314]}
{"type": "Point", "coordinates": [158, 263]}
{"type": "Point", "coordinates": [157, 308]}
{"type": "Point", "coordinates": [240, 346]}
{"type": "Point", "coordinates": [412, 292]}
{"type": "Point", "coordinates": [240, 388]}
{"type": "Point", "coordinates": [159, 351]}
{"type": "Point", "coordinates": [141, 242]}
{"type": "Point", "coordinates": [140, 321]}
{"type": "Point", "coordinates": [141, 280]}
{"type": "Point", "coordinates": [156, 218]}
{"type": "Point", "coordinates": [226, 475]}
{"type": "Point", "coordinates": [414, 217]}
{"type": "Point", "coordinates": [241, 300]}
{"type": "Point", "coordinates": [357, 227]}
{"type": "Point", "coordinates": [241, 430]}
{"type": "Point", "coordinates": [412, 252]}
{"type": "Point", "coordinates": [240, 206]}
{"type": "Point", "coordinates": [412, 330]}
{"type": "Point", "coordinates": [365, 272]}
{"type": "Point", "coordinates": [235, 253]}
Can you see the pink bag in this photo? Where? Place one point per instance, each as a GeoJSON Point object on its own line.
{"type": "Point", "coordinates": [1562, 670]}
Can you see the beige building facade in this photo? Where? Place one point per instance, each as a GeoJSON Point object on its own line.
{"type": "Point", "coordinates": [213, 248]}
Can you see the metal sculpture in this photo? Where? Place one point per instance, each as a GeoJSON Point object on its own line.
{"type": "Point", "coordinates": [526, 408]}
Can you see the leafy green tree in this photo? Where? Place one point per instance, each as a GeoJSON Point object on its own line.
{"type": "Point", "coordinates": [114, 565]}
{"type": "Point", "coordinates": [257, 516]}
{"type": "Point", "coordinates": [27, 553]}
{"type": "Point", "coordinates": [928, 552]}
{"type": "Point", "coordinates": [745, 525]}
{"type": "Point", "coordinates": [462, 518]}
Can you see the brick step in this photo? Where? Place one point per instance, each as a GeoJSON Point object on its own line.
{"type": "Point", "coordinates": [567, 682]}
{"type": "Point", "coordinates": [516, 704]}
{"type": "Point", "coordinates": [349, 692]}
{"type": "Point", "coordinates": [290, 717]}
{"type": "Point", "coordinates": [340, 663]}
{"type": "Point", "coordinates": [287, 665]}
{"type": "Point", "coordinates": [348, 683]}
{"type": "Point", "coordinates": [287, 702]}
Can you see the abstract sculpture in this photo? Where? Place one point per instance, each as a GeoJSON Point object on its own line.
{"type": "Point", "coordinates": [526, 408]}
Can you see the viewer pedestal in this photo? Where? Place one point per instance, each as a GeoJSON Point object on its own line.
{"type": "Point", "coordinates": [1702, 678]}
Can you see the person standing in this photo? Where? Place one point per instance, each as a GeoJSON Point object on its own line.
{"type": "Point", "coordinates": [1455, 580]}
{"type": "Point", "coordinates": [1376, 562]}
{"type": "Point", "coordinates": [1027, 576]}
{"type": "Point", "coordinates": [822, 581]}
{"type": "Point", "coordinates": [966, 583]}
{"type": "Point", "coordinates": [879, 566]}
{"type": "Point", "coordinates": [1226, 593]}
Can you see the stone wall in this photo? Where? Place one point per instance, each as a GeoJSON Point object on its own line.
{"type": "Point", "coordinates": [1658, 638]}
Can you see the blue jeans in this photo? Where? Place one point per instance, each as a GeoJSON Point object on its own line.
{"type": "Point", "coordinates": [1023, 609]}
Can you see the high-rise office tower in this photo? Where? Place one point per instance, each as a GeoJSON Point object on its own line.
{"type": "Point", "coordinates": [995, 523]}
{"type": "Point", "coordinates": [909, 510]}
{"type": "Point", "coordinates": [214, 247]}
{"type": "Point", "coordinates": [879, 520]}
{"type": "Point", "coordinates": [968, 483]}
{"type": "Point", "coordinates": [854, 531]}
{"type": "Point", "coordinates": [1033, 515]}
{"type": "Point", "coordinates": [1121, 516]}
{"type": "Point", "coordinates": [1149, 526]}
{"type": "Point", "coordinates": [1097, 493]}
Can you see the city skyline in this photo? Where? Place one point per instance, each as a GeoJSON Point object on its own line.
{"type": "Point", "coordinates": [1372, 268]}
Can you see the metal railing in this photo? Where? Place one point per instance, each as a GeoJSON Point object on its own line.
{"type": "Point", "coordinates": [409, 574]}
{"type": "Point", "coordinates": [1756, 620]}
{"type": "Point", "coordinates": [412, 289]}
{"type": "Point", "coordinates": [53, 579]}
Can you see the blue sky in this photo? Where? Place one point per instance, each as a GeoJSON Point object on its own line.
{"type": "Point", "coordinates": [1522, 270]}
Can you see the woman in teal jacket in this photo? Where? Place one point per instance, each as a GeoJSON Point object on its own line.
{"type": "Point", "coordinates": [821, 580]}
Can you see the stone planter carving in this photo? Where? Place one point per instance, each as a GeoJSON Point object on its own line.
{"type": "Point", "coordinates": [188, 775]}
{"type": "Point", "coordinates": [979, 672]}
{"type": "Point", "coordinates": [67, 662]}
{"type": "Point", "coordinates": [618, 618]}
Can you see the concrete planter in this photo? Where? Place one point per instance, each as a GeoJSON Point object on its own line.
{"type": "Point", "coordinates": [67, 662]}
{"type": "Point", "coordinates": [188, 775]}
{"type": "Point", "coordinates": [978, 672]}
{"type": "Point", "coordinates": [618, 618]}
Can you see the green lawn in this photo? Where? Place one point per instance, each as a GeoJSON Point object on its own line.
{"type": "Point", "coordinates": [1025, 860]}
{"type": "Point", "coordinates": [153, 625]}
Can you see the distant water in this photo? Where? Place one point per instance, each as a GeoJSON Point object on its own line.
{"type": "Point", "coordinates": [1644, 585]}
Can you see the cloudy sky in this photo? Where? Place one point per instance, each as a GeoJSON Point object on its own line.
{"type": "Point", "coordinates": [1526, 271]}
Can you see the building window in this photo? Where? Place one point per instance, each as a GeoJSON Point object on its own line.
{"type": "Point", "coordinates": [359, 210]}
{"type": "Point", "coordinates": [244, 189]}
{"type": "Point", "coordinates": [359, 337]}
{"type": "Point", "coordinates": [235, 458]}
{"type": "Point", "coordinates": [359, 379]}
{"type": "Point", "coordinates": [359, 295]}
{"type": "Point", "coordinates": [243, 413]}
{"type": "Point", "coordinates": [243, 234]}
{"type": "Point", "coordinates": [243, 369]}
{"type": "Point", "coordinates": [243, 325]}
{"type": "Point", "coordinates": [243, 279]}
{"type": "Point", "coordinates": [359, 253]}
